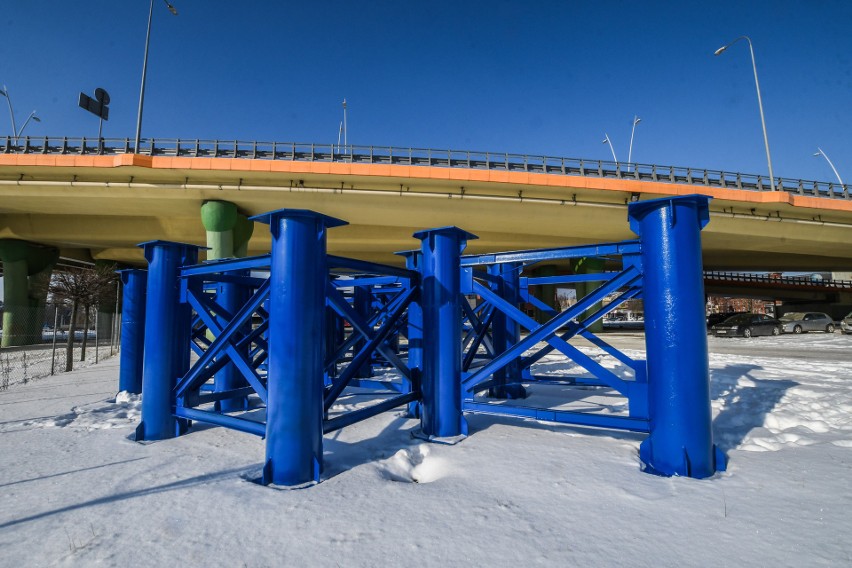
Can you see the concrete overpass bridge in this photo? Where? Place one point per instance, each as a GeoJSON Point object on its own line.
{"type": "Point", "coordinates": [98, 201]}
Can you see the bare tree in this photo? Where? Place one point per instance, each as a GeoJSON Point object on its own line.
{"type": "Point", "coordinates": [80, 288]}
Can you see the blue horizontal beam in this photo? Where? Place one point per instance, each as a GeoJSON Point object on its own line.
{"type": "Point", "coordinates": [570, 278]}
{"type": "Point", "coordinates": [350, 418]}
{"type": "Point", "coordinates": [368, 281]}
{"type": "Point", "coordinates": [558, 416]}
{"type": "Point", "coordinates": [227, 265]}
{"type": "Point", "coordinates": [192, 399]}
{"type": "Point", "coordinates": [368, 267]}
{"type": "Point", "coordinates": [531, 256]}
{"type": "Point", "coordinates": [232, 422]}
{"type": "Point", "coordinates": [376, 384]}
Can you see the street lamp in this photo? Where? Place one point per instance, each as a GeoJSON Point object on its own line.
{"type": "Point", "coordinates": [759, 102]}
{"type": "Point", "coordinates": [636, 120]}
{"type": "Point", "coordinates": [820, 152]}
{"type": "Point", "coordinates": [32, 116]}
{"type": "Point", "coordinates": [5, 93]}
{"type": "Point", "coordinates": [174, 12]}
{"type": "Point", "coordinates": [606, 140]}
{"type": "Point", "coordinates": [16, 134]}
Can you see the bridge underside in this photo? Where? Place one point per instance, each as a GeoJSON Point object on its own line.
{"type": "Point", "coordinates": [106, 205]}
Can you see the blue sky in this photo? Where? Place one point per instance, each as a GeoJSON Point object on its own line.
{"type": "Point", "coordinates": [524, 77]}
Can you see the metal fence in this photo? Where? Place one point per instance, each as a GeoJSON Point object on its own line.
{"type": "Point", "coordinates": [496, 161]}
{"type": "Point", "coordinates": [45, 352]}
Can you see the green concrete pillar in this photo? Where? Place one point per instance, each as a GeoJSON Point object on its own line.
{"type": "Point", "coordinates": [219, 219]}
{"type": "Point", "coordinates": [40, 263]}
{"type": "Point", "coordinates": [589, 265]}
{"type": "Point", "coordinates": [13, 254]}
{"type": "Point", "coordinates": [26, 276]}
{"type": "Point", "coordinates": [243, 230]}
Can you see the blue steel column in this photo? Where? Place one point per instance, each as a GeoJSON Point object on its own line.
{"type": "Point", "coordinates": [681, 437]}
{"type": "Point", "coordinates": [167, 336]}
{"type": "Point", "coordinates": [505, 331]}
{"type": "Point", "coordinates": [132, 330]}
{"type": "Point", "coordinates": [441, 414]}
{"type": "Point", "coordinates": [230, 296]}
{"type": "Point", "coordinates": [362, 302]}
{"type": "Point", "coordinates": [294, 408]}
{"type": "Point", "coordinates": [414, 332]}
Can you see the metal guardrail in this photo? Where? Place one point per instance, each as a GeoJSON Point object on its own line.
{"type": "Point", "coordinates": [792, 281]}
{"type": "Point", "coordinates": [303, 152]}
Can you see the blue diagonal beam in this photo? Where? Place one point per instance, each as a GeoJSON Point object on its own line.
{"type": "Point", "coordinates": [230, 351]}
{"type": "Point", "coordinates": [582, 329]}
{"type": "Point", "coordinates": [341, 381]}
{"type": "Point", "coordinates": [480, 329]}
{"type": "Point", "coordinates": [545, 332]}
{"type": "Point", "coordinates": [242, 316]}
{"type": "Point", "coordinates": [347, 312]}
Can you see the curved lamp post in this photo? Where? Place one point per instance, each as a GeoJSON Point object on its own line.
{"type": "Point", "coordinates": [759, 102]}
{"type": "Point", "coordinates": [32, 116]}
{"type": "Point", "coordinates": [16, 134]}
{"type": "Point", "coordinates": [606, 140]}
{"type": "Point", "coordinates": [636, 120]}
{"type": "Point", "coordinates": [820, 152]}
{"type": "Point", "coordinates": [174, 11]}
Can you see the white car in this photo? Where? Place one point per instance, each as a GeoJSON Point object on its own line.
{"type": "Point", "coordinates": [802, 322]}
{"type": "Point", "coordinates": [846, 324]}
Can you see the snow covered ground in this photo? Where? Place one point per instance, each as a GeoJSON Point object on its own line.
{"type": "Point", "coordinates": [75, 491]}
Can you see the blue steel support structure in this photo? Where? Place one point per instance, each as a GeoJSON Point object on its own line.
{"type": "Point", "coordinates": [440, 300]}
{"type": "Point", "coordinates": [168, 325]}
{"type": "Point", "coordinates": [132, 349]}
{"type": "Point", "coordinates": [681, 437]}
{"type": "Point", "coordinates": [299, 277]}
{"type": "Point", "coordinates": [277, 335]}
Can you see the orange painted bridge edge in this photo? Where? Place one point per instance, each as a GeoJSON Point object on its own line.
{"type": "Point", "coordinates": [431, 173]}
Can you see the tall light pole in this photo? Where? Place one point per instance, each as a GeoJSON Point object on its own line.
{"type": "Point", "coordinates": [820, 152]}
{"type": "Point", "coordinates": [759, 101]}
{"type": "Point", "coordinates": [606, 140]}
{"type": "Point", "coordinates": [636, 120]}
{"type": "Point", "coordinates": [174, 11]}
{"type": "Point", "coordinates": [344, 126]}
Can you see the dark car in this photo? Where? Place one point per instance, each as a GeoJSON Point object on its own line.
{"type": "Point", "coordinates": [747, 325]}
{"type": "Point", "coordinates": [713, 319]}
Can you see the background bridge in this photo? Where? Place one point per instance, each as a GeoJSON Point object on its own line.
{"type": "Point", "coordinates": [93, 200]}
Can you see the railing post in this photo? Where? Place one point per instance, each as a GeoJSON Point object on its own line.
{"type": "Point", "coordinates": [133, 282]}
{"type": "Point", "coordinates": [506, 331]}
{"type": "Point", "coordinates": [167, 337]}
{"type": "Point", "coordinates": [441, 415]}
{"type": "Point", "coordinates": [681, 437]}
{"type": "Point", "coordinates": [294, 406]}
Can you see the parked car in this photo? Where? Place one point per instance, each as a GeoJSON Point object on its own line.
{"type": "Point", "coordinates": [714, 319]}
{"type": "Point", "coordinates": [747, 325]}
{"type": "Point", "coordinates": [846, 324]}
{"type": "Point", "coordinates": [802, 322]}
